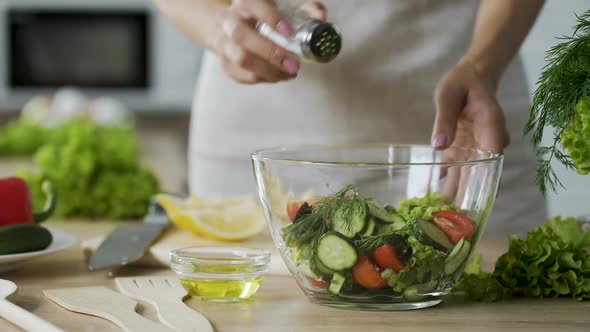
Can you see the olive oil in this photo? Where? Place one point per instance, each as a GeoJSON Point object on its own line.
{"type": "Point", "coordinates": [220, 274]}
{"type": "Point", "coordinates": [222, 289]}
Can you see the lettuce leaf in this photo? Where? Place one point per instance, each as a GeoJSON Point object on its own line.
{"type": "Point", "coordinates": [552, 261]}
{"type": "Point", "coordinates": [425, 265]}
{"type": "Point", "coordinates": [423, 207]}
{"type": "Point", "coordinates": [96, 170]}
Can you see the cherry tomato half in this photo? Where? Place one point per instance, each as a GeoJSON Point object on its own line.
{"type": "Point", "coordinates": [455, 225]}
{"type": "Point", "coordinates": [292, 209]}
{"type": "Point", "coordinates": [386, 257]}
{"type": "Point", "coordinates": [319, 284]}
{"type": "Point", "coordinates": [365, 273]}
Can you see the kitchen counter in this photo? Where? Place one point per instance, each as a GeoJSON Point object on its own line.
{"type": "Point", "coordinates": [280, 306]}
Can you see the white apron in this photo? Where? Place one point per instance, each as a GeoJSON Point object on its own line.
{"type": "Point", "coordinates": [379, 89]}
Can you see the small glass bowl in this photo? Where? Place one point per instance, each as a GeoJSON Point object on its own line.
{"type": "Point", "coordinates": [221, 274]}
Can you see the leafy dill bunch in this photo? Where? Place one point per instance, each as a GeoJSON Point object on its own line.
{"type": "Point", "coordinates": [564, 81]}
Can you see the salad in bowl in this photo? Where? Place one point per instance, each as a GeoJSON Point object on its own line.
{"type": "Point", "coordinates": [386, 233]}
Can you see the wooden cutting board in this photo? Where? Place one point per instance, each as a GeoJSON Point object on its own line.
{"type": "Point", "coordinates": [159, 253]}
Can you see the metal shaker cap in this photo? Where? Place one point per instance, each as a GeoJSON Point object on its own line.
{"type": "Point", "coordinates": [322, 41]}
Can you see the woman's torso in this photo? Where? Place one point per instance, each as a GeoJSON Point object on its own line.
{"type": "Point", "coordinates": [379, 89]}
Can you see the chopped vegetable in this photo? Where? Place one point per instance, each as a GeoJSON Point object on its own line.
{"type": "Point", "coordinates": [426, 264]}
{"type": "Point", "coordinates": [350, 217]}
{"type": "Point", "coordinates": [337, 283]}
{"type": "Point", "coordinates": [458, 257]}
{"type": "Point", "coordinates": [456, 225]}
{"type": "Point", "coordinates": [319, 284]}
{"type": "Point", "coordinates": [365, 273]}
{"type": "Point", "coordinates": [382, 214]}
{"type": "Point", "coordinates": [336, 252]}
{"type": "Point", "coordinates": [293, 208]}
{"type": "Point", "coordinates": [353, 244]}
{"type": "Point", "coordinates": [296, 208]}
{"type": "Point", "coordinates": [387, 258]}
{"type": "Point", "coordinates": [368, 244]}
{"type": "Point", "coordinates": [371, 228]}
{"type": "Point", "coordinates": [428, 233]}
{"type": "Point", "coordinates": [553, 260]}
{"type": "Point", "coordinates": [422, 208]}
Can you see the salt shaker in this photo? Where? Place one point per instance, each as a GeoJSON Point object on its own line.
{"type": "Point", "coordinates": [313, 40]}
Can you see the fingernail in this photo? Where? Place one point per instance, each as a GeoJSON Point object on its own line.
{"type": "Point", "coordinates": [284, 28]}
{"type": "Point", "coordinates": [440, 140]}
{"type": "Point", "coordinates": [291, 65]}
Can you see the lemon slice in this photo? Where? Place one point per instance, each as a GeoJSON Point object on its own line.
{"type": "Point", "coordinates": [220, 218]}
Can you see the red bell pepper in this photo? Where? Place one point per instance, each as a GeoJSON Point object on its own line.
{"type": "Point", "coordinates": [15, 202]}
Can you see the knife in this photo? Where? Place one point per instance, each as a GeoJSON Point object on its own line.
{"type": "Point", "coordinates": [128, 244]}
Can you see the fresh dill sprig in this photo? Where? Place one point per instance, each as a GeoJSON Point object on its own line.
{"type": "Point", "coordinates": [348, 210]}
{"type": "Point", "coordinates": [368, 244]}
{"type": "Point", "coordinates": [312, 225]}
{"type": "Point", "coordinates": [301, 231]}
{"type": "Point", "coordinates": [564, 81]}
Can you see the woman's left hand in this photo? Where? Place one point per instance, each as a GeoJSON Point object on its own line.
{"type": "Point", "coordinates": [469, 116]}
{"type": "Point", "coordinates": [467, 112]}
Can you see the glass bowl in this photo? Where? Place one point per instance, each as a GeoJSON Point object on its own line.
{"type": "Point", "coordinates": [376, 226]}
{"type": "Point", "coordinates": [221, 274]}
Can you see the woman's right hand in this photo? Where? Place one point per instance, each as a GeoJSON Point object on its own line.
{"type": "Point", "coordinates": [247, 56]}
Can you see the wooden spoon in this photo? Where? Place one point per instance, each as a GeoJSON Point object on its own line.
{"type": "Point", "coordinates": [20, 316]}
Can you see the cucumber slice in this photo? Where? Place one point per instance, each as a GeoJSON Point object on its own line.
{"type": "Point", "coordinates": [371, 228]}
{"type": "Point", "coordinates": [456, 249]}
{"type": "Point", "coordinates": [383, 215]}
{"type": "Point", "coordinates": [417, 292]}
{"type": "Point", "coordinates": [350, 217]}
{"type": "Point", "coordinates": [320, 269]}
{"type": "Point", "coordinates": [336, 283]}
{"type": "Point", "coordinates": [335, 252]}
{"type": "Point", "coordinates": [389, 228]}
{"type": "Point", "coordinates": [453, 264]}
{"type": "Point", "coordinates": [427, 233]}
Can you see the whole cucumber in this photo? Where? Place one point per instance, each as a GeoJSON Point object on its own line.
{"type": "Point", "coordinates": [19, 238]}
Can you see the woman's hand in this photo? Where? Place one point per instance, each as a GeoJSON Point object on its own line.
{"type": "Point", "coordinates": [467, 112]}
{"type": "Point", "coordinates": [469, 116]}
{"type": "Point", "coordinates": [249, 57]}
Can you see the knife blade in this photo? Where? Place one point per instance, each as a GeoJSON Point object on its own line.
{"type": "Point", "coordinates": [128, 244]}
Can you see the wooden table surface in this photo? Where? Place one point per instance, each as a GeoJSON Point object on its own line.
{"type": "Point", "coordinates": [280, 306]}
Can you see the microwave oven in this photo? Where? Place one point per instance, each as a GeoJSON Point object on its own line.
{"type": "Point", "coordinates": [118, 48]}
